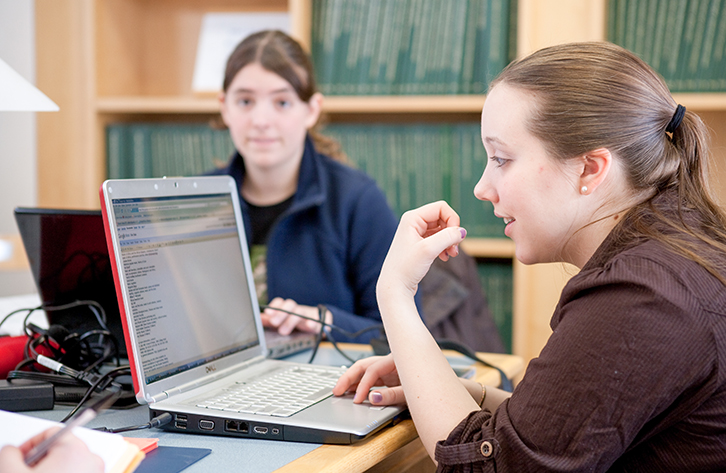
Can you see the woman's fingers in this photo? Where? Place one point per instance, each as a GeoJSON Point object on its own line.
{"type": "Point", "coordinates": [366, 373]}
{"type": "Point", "coordinates": [387, 396]}
{"type": "Point", "coordinates": [285, 320]}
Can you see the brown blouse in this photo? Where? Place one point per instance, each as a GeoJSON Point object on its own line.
{"type": "Point", "coordinates": [633, 377]}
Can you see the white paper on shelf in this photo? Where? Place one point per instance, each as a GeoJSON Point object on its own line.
{"type": "Point", "coordinates": [19, 95]}
{"type": "Point", "coordinates": [219, 35]}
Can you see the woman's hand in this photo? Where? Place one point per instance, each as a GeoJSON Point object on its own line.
{"type": "Point", "coordinates": [285, 323]}
{"type": "Point", "coordinates": [423, 234]}
{"type": "Point", "coordinates": [68, 454]}
{"type": "Point", "coordinates": [369, 372]}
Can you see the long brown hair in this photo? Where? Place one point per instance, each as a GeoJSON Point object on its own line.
{"type": "Point", "coordinates": [280, 54]}
{"type": "Point", "coordinates": [599, 95]}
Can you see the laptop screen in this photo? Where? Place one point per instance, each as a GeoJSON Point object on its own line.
{"type": "Point", "coordinates": [69, 261]}
{"type": "Point", "coordinates": [188, 309]}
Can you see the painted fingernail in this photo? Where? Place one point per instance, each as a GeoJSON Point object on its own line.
{"type": "Point", "coordinates": [463, 232]}
{"type": "Point", "coordinates": [376, 397]}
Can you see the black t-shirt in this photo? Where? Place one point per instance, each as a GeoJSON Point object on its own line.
{"type": "Point", "coordinates": [264, 218]}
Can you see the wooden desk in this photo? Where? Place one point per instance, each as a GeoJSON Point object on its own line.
{"type": "Point", "coordinates": [397, 448]}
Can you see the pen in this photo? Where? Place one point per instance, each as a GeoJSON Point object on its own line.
{"type": "Point", "coordinates": [40, 450]}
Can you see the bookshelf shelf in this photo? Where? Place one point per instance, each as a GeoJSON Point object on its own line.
{"type": "Point", "coordinates": [168, 104]}
{"type": "Point", "coordinates": [489, 247]}
{"type": "Point", "coordinates": [711, 102]}
{"type": "Point", "coordinates": [332, 104]}
{"type": "Point", "coordinates": [162, 105]}
{"type": "Point", "coordinates": [405, 104]}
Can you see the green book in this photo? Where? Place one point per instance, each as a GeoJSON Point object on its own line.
{"type": "Point", "coordinates": [406, 47]}
{"type": "Point", "coordinates": [164, 149]}
{"type": "Point", "coordinates": [496, 277]}
{"type": "Point", "coordinates": [140, 151]}
{"type": "Point", "coordinates": [117, 152]}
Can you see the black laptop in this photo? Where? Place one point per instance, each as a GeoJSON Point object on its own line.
{"type": "Point", "coordinates": [69, 260]}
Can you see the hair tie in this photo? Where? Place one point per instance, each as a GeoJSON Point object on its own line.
{"type": "Point", "coordinates": [677, 119]}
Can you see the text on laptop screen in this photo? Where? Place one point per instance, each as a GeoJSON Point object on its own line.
{"type": "Point", "coordinates": [167, 248]}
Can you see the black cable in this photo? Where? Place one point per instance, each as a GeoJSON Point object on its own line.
{"type": "Point", "coordinates": [100, 318]}
{"type": "Point", "coordinates": [337, 348]}
{"type": "Point", "coordinates": [157, 421]}
{"type": "Point", "coordinates": [29, 309]}
{"type": "Point", "coordinates": [95, 386]}
{"type": "Point", "coordinates": [322, 310]}
{"type": "Point", "coordinates": [107, 353]}
{"type": "Point", "coordinates": [506, 383]}
{"type": "Point", "coordinates": [328, 333]}
{"type": "Point", "coordinates": [73, 349]}
{"type": "Point", "coordinates": [56, 379]}
{"type": "Point", "coordinates": [325, 324]}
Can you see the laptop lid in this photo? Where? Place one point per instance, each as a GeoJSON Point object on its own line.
{"type": "Point", "coordinates": [184, 280]}
{"type": "Point", "coordinates": [69, 261]}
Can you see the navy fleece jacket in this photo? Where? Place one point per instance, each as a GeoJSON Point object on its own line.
{"type": "Point", "coordinates": [329, 245]}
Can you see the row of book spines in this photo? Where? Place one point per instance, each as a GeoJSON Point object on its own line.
{"type": "Point", "coordinates": [411, 47]}
{"type": "Point", "coordinates": [154, 150]}
{"type": "Point", "coordinates": [497, 283]}
{"type": "Point", "coordinates": [413, 164]}
{"type": "Point", "coordinates": [417, 164]}
{"type": "Point", "coordinates": [684, 41]}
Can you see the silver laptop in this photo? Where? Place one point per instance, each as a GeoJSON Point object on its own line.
{"type": "Point", "coordinates": [192, 324]}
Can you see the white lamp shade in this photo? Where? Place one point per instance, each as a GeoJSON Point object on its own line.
{"type": "Point", "coordinates": [19, 95]}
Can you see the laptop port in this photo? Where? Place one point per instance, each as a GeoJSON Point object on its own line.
{"type": "Point", "coordinates": [258, 429]}
{"type": "Point", "coordinates": [181, 417]}
{"type": "Point", "coordinates": [180, 425]}
{"type": "Point", "coordinates": [236, 426]}
{"type": "Point", "coordinates": [206, 424]}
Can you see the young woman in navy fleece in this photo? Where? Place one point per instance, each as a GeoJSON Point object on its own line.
{"type": "Point", "coordinates": [318, 229]}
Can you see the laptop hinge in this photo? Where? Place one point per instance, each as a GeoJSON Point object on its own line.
{"type": "Point", "coordinates": [206, 380]}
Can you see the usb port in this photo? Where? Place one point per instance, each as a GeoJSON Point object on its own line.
{"type": "Point", "coordinates": [180, 425]}
{"type": "Point", "coordinates": [181, 417]}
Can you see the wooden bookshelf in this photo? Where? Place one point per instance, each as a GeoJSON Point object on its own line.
{"type": "Point", "coordinates": [127, 60]}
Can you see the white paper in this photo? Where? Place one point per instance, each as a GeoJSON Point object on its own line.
{"type": "Point", "coordinates": [219, 35]}
{"type": "Point", "coordinates": [17, 428]}
{"type": "Point", "coordinates": [19, 95]}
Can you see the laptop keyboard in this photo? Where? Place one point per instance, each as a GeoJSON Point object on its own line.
{"type": "Point", "coordinates": [281, 395]}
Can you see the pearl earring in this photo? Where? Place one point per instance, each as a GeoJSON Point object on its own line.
{"type": "Point", "coordinates": [583, 190]}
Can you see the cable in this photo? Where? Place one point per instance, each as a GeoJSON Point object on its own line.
{"type": "Point", "coordinates": [93, 306]}
{"type": "Point", "coordinates": [79, 350]}
{"type": "Point", "coordinates": [326, 328]}
{"type": "Point", "coordinates": [506, 383]}
{"type": "Point", "coordinates": [114, 372]}
{"type": "Point", "coordinates": [157, 421]}
{"type": "Point", "coordinates": [29, 309]}
{"type": "Point", "coordinates": [337, 348]}
{"type": "Point", "coordinates": [322, 310]}
{"type": "Point", "coordinates": [89, 378]}
{"type": "Point", "coordinates": [326, 324]}
{"type": "Point", "coordinates": [55, 379]}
